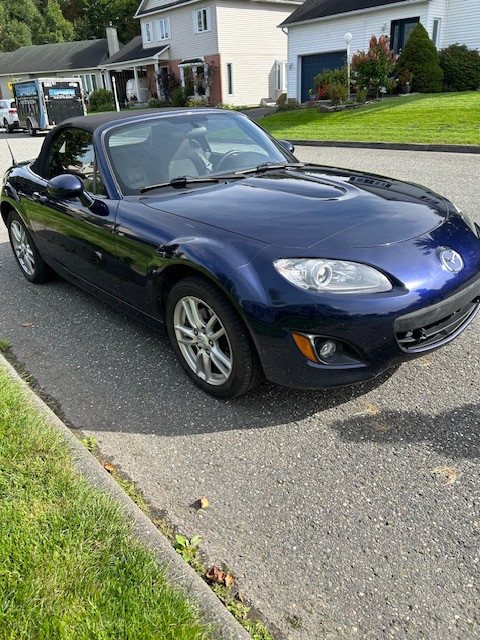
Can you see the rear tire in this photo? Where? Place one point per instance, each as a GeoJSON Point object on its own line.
{"type": "Point", "coordinates": [31, 263]}
{"type": "Point", "coordinates": [210, 340]}
{"type": "Point", "coordinates": [9, 128]}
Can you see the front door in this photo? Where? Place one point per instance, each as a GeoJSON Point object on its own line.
{"type": "Point", "coordinates": [73, 237]}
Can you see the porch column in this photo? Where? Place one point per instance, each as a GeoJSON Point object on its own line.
{"type": "Point", "coordinates": [156, 71]}
{"type": "Point", "coordinates": [137, 86]}
{"type": "Point", "coordinates": [108, 79]}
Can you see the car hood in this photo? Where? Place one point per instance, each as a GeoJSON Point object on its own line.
{"type": "Point", "coordinates": [311, 206]}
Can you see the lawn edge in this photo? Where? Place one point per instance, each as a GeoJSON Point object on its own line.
{"type": "Point", "coordinates": [396, 146]}
{"type": "Point", "coordinates": [178, 572]}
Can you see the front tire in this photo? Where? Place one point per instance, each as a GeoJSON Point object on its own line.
{"type": "Point", "coordinates": [210, 340]}
{"type": "Point", "coordinates": [31, 263]}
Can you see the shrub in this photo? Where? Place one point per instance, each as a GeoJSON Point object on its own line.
{"type": "Point", "coordinates": [195, 102]}
{"type": "Point", "coordinates": [420, 58]}
{"type": "Point", "coordinates": [101, 100]}
{"type": "Point", "coordinates": [281, 100]}
{"type": "Point", "coordinates": [461, 68]}
{"type": "Point", "coordinates": [372, 68]}
{"type": "Point", "coordinates": [179, 99]}
{"type": "Point", "coordinates": [362, 94]}
{"type": "Point", "coordinates": [156, 103]}
{"type": "Point", "coordinates": [332, 84]}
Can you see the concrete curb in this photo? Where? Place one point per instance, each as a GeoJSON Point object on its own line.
{"type": "Point", "coordinates": [396, 146]}
{"type": "Point", "coordinates": [180, 574]}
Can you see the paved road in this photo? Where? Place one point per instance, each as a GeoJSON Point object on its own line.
{"type": "Point", "coordinates": [325, 505]}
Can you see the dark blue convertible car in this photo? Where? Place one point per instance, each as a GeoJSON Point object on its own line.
{"type": "Point", "coordinates": [257, 265]}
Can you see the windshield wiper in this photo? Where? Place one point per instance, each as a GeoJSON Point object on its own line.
{"type": "Point", "coordinates": [267, 166]}
{"type": "Point", "coordinates": [181, 181]}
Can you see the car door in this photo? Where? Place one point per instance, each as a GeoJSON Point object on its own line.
{"type": "Point", "coordinates": [73, 237]}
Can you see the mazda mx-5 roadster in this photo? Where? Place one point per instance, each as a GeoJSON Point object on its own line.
{"type": "Point", "coordinates": [257, 265]}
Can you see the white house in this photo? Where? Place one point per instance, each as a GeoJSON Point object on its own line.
{"type": "Point", "coordinates": [316, 31]}
{"type": "Point", "coordinates": [230, 49]}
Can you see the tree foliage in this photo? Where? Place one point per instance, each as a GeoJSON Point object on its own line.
{"type": "Point", "coordinates": [420, 58]}
{"type": "Point", "coordinates": [25, 22]}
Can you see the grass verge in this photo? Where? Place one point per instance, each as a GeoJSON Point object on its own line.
{"type": "Point", "coordinates": [447, 118]}
{"type": "Point", "coordinates": [69, 566]}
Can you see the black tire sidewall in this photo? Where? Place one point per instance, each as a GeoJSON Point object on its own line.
{"type": "Point", "coordinates": [245, 362]}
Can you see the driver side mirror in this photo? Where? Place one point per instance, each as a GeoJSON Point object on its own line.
{"type": "Point", "coordinates": [288, 145]}
{"type": "Point", "coordinates": [69, 186]}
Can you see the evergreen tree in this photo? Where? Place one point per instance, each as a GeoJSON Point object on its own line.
{"type": "Point", "coordinates": [420, 57]}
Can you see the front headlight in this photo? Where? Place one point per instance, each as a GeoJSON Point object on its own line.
{"type": "Point", "coordinates": [332, 276]}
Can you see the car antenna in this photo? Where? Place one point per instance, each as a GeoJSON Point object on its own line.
{"type": "Point", "coordinates": [11, 152]}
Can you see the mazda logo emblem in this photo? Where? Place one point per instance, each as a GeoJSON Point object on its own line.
{"type": "Point", "coordinates": [451, 260]}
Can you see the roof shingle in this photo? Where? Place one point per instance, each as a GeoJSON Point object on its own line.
{"type": "Point", "coordinates": [134, 50]}
{"type": "Point", "coordinates": [59, 56]}
{"type": "Point", "coordinates": [312, 9]}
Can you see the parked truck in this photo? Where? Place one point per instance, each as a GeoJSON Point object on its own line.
{"type": "Point", "coordinates": [42, 103]}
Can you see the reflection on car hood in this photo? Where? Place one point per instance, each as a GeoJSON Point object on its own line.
{"type": "Point", "coordinates": [311, 206]}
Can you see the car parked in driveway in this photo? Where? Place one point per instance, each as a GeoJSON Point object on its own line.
{"type": "Point", "coordinates": [256, 264]}
{"type": "Point", "coordinates": [8, 115]}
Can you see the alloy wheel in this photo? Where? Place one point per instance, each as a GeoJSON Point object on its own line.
{"type": "Point", "coordinates": [22, 248]}
{"type": "Point", "coordinates": [203, 340]}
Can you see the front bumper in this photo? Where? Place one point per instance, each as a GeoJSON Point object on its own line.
{"type": "Point", "coordinates": [375, 339]}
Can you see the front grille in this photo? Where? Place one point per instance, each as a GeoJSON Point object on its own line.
{"type": "Point", "coordinates": [421, 338]}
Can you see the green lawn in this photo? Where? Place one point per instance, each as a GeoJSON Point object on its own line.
{"type": "Point", "coordinates": [69, 567]}
{"type": "Point", "coordinates": [448, 118]}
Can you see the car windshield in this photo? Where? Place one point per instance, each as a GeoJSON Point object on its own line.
{"type": "Point", "coordinates": [156, 151]}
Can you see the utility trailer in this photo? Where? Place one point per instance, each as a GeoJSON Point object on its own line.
{"type": "Point", "coordinates": [42, 103]}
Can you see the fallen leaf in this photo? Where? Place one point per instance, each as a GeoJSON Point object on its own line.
{"type": "Point", "coordinates": [371, 408]}
{"type": "Point", "coordinates": [27, 324]}
{"type": "Point", "coordinates": [229, 581]}
{"type": "Point", "coordinates": [215, 574]}
{"type": "Point", "coordinates": [447, 472]}
{"type": "Point", "coordinates": [424, 362]}
{"type": "Point", "coordinates": [202, 503]}
{"type": "Point", "coordinates": [109, 467]}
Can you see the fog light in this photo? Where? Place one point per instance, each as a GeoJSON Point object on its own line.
{"type": "Point", "coordinates": [328, 350]}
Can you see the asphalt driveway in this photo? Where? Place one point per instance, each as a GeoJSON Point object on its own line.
{"type": "Point", "coordinates": [345, 514]}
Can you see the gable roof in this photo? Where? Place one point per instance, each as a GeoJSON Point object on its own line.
{"type": "Point", "coordinates": [134, 50]}
{"type": "Point", "coordinates": [314, 9]}
{"type": "Point", "coordinates": [142, 10]}
{"type": "Point", "coordinates": [59, 56]}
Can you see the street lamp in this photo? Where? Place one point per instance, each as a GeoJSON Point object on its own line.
{"type": "Point", "coordinates": [348, 38]}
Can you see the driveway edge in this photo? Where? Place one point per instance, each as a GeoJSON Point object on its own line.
{"type": "Point", "coordinates": [180, 574]}
{"type": "Point", "coordinates": [396, 146]}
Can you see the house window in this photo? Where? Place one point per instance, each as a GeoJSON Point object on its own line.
{"type": "Point", "coordinates": [230, 78]}
{"type": "Point", "coordinates": [148, 31]}
{"type": "Point", "coordinates": [437, 25]}
{"type": "Point", "coordinates": [89, 81]}
{"type": "Point", "coordinates": [163, 29]}
{"type": "Point", "coordinates": [400, 32]}
{"type": "Point", "coordinates": [201, 20]}
{"type": "Point", "coordinates": [280, 75]}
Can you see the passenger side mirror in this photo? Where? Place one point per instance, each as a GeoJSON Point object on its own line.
{"type": "Point", "coordinates": [68, 186]}
{"type": "Point", "coordinates": [288, 145]}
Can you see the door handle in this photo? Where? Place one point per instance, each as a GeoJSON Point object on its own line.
{"type": "Point", "coordinates": [39, 197]}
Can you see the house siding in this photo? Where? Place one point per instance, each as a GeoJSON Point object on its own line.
{"type": "Point", "coordinates": [249, 39]}
{"type": "Point", "coordinates": [184, 43]}
{"type": "Point", "coordinates": [327, 35]}
{"type": "Point", "coordinates": [463, 23]}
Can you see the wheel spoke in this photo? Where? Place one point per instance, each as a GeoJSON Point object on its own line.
{"type": "Point", "coordinates": [29, 264]}
{"type": "Point", "coordinates": [185, 330]}
{"type": "Point", "coordinates": [221, 361]}
{"type": "Point", "coordinates": [199, 365]}
{"type": "Point", "coordinates": [207, 366]}
{"type": "Point", "coordinates": [199, 323]}
{"type": "Point", "coordinates": [218, 334]}
{"type": "Point", "coordinates": [16, 232]}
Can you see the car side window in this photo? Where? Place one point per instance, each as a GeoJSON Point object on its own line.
{"type": "Point", "coordinates": [72, 152]}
